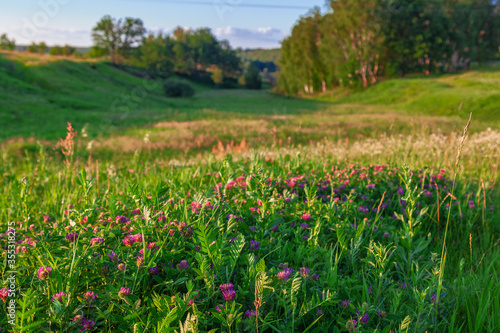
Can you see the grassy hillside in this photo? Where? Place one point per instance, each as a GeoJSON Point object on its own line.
{"type": "Point", "coordinates": [476, 91]}
{"type": "Point", "coordinates": [264, 55]}
{"type": "Point", "coordinates": [39, 95]}
{"type": "Point", "coordinates": [123, 112]}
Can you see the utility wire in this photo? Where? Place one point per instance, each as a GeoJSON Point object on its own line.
{"type": "Point", "coordinates": [224, 3]}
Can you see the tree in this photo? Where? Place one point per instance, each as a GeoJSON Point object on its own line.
{"type": "Point", "coordinates": [56, 50]}
{"type": "Point", "coordinates": [32, 48]}
{"type": "Point", "coordinates": [217, 76]}
{"type": "Point", "coordinates": [252, 77]}
{"type": "Point", "coordinates": [156, 55]}
{"type": "Point", "coordinates": [42, 47]}
{"type": "Point", "coordinates": [117, 37]}
{"type": "Point", "coordinates": [6, 43]}
{"type": "Point", "coordinates": [228, 60]}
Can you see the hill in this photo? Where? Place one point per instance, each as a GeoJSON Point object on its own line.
{"type": "Point", "coordinates": [40, 93]}
{"type": "Point", "coordinates": [263, 55]}
{"type": "Point", "coordinates": [123, 112]}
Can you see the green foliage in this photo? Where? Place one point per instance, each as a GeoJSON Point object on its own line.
{"type": "Point", "coordinates": [155, 55]}
{"type": "Point", "coordinates": [66, 50]}
{"type": "Point", "coordinates": [117, 37]}
{"type": "Point", "coordinates": [176, 88]}
{"type": "Point", "coordinates": [357, 42]}
{"type": "Point", "coordinates": [6, 43]}
{"type": "Point", "coordinates": [252, 77]}
{"type": "Point", "coordinates": [217, 76]}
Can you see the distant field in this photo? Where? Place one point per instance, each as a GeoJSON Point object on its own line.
{"type": "Point", "coordinates": [119, 110]}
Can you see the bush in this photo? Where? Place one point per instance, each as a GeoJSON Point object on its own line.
{"type": "Point", "coordinates": [175, 88]}
{"type": "Point", "coordinates": [252, 77]}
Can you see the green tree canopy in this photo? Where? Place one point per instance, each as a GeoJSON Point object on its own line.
{"type": "Point", "coordinates": [117, 37]}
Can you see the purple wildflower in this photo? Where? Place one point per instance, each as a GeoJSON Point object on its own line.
{"type": "Point", "coordinates": [351, 325]}
{"type": "Point", "coordinates": [304, 272]}
{"type": "Point", "coordinates": [250, 313]}
{"type": "Point", "coordinates": [124, 291]}
{"type": "Point", "coordinates": [4, 293]}
{"type": "Point", "coordinates": [89, 296]}
{"type": "Point", "coordinates": [113, 256]}
{"type": "Point", "coordinates": [154, 271]}
{"type": "Point", "coordinates": [58, 296]}
{"type": "Point", "coordinates": [96, 240]}
{"type": "Point", "coordinates": [285, 274]}
{"type": "Point", "coordinates": [254, 245]}
{"type": "Point", "coordinates": [87, 324]}
{"type": "Point", "coordinates": [228, 291]}
{"type": "Point", "coordinates": [44, 272]}
{"type": "Point", "coordinates": [72, 236]}
{"type": "Point", "coordinates": [183, 264]}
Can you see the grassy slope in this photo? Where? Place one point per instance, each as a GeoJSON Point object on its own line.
{"type": "Point", "coordinates": [476, 91]}
{"type": "Point", "coordinates": [39, 100]}
{"type": "Point", "coordinates": [39, 94]}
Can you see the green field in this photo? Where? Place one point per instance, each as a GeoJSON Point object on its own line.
{"type": "Point", "coordinates": [110, 100]}
{"type": "Point", "coordinates": [247, 211]}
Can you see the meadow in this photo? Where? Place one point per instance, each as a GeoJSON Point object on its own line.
{"type": "Point", "coordinates": [347, 213]}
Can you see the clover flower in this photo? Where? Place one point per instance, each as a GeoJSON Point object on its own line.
{"type": "Point", "coordinates": [96, 240]}
{"type": "Point", "coordinates": [364, 319]}
{"type": "Point", "coordinates": [128, 241]}
{"type": "Point", "coordinates": [250, 313]}
{"type": "Point", "coordinates": [154, 271]}
{"type": "Point", "coordinates": [285, 274]}
{"type": "Point", "coordinates": [254, 245]}
{"type": "Point", "coordinates": [304, 272]}
{"type": "Point", "coordinates": [72, 236]}
{"type": "Point", "coordinates": [89, 296]}
{"type": "Point", "coordinates": [86, 324]}
{"type": "Point", "coordinates": [58, 296]}
{"type": "Point", "coordinates": [124, 291]}
{"type": "Point", "coordinates": [113, 256]}
{"type": "Point", "coordinates": [228, 291]}
{"type": "Point", "coordinates": [183, 264]}
{"type": "Point", "coordinates": [306, 217]}
{"type": "Point", "coordinates": [44, 272]}
{"type": "Point", "coordinates": [351, 325]}
{"type": "Point", "coordinates": [4, 293]}
{"type": "Point", "coordinates": [345, 303]}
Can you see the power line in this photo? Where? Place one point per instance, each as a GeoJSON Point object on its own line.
{"type": "Point", "coordinates": [223, 3]}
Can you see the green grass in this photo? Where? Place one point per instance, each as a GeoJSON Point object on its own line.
{"type": "Point", "coordinates": [476, 91]}
{"type": "Point", "coordinates": [38, 100]}
{"type": "Point", "coordinates": [413, 121]}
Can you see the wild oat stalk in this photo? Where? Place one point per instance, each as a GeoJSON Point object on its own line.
{"type": "Point", "coordinates": [457, 167]}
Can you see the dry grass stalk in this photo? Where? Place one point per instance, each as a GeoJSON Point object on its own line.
{"type": "Point", "coordinates": [67, 145]}
{"type": "Point", "coordinates": [461, 145]}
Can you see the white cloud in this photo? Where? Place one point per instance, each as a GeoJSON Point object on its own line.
{"type": "Point", "coordinates": [52, 36]}
{"type": "Point", "coordinates": [265, 37]}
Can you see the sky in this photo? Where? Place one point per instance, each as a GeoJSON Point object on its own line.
{"type": "Point", "coordinates": [245, 23]}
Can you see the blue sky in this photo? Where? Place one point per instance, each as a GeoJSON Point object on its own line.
{"type": "Point", "coordinates": [245, 23]}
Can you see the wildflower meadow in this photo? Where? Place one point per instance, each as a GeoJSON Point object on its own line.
{"type": "Point", "coordinates": [283, 242]}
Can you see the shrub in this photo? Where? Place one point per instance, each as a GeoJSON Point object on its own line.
{"type": "Point", "coordinates": [175, 88]}
{"type": "Point", "coordinates": [252, 77]}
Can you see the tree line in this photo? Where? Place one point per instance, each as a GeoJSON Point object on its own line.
{"type": "Point", "coordinates": [356, 42]}
{"type": "Point", "coordinates": [192, 53]}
